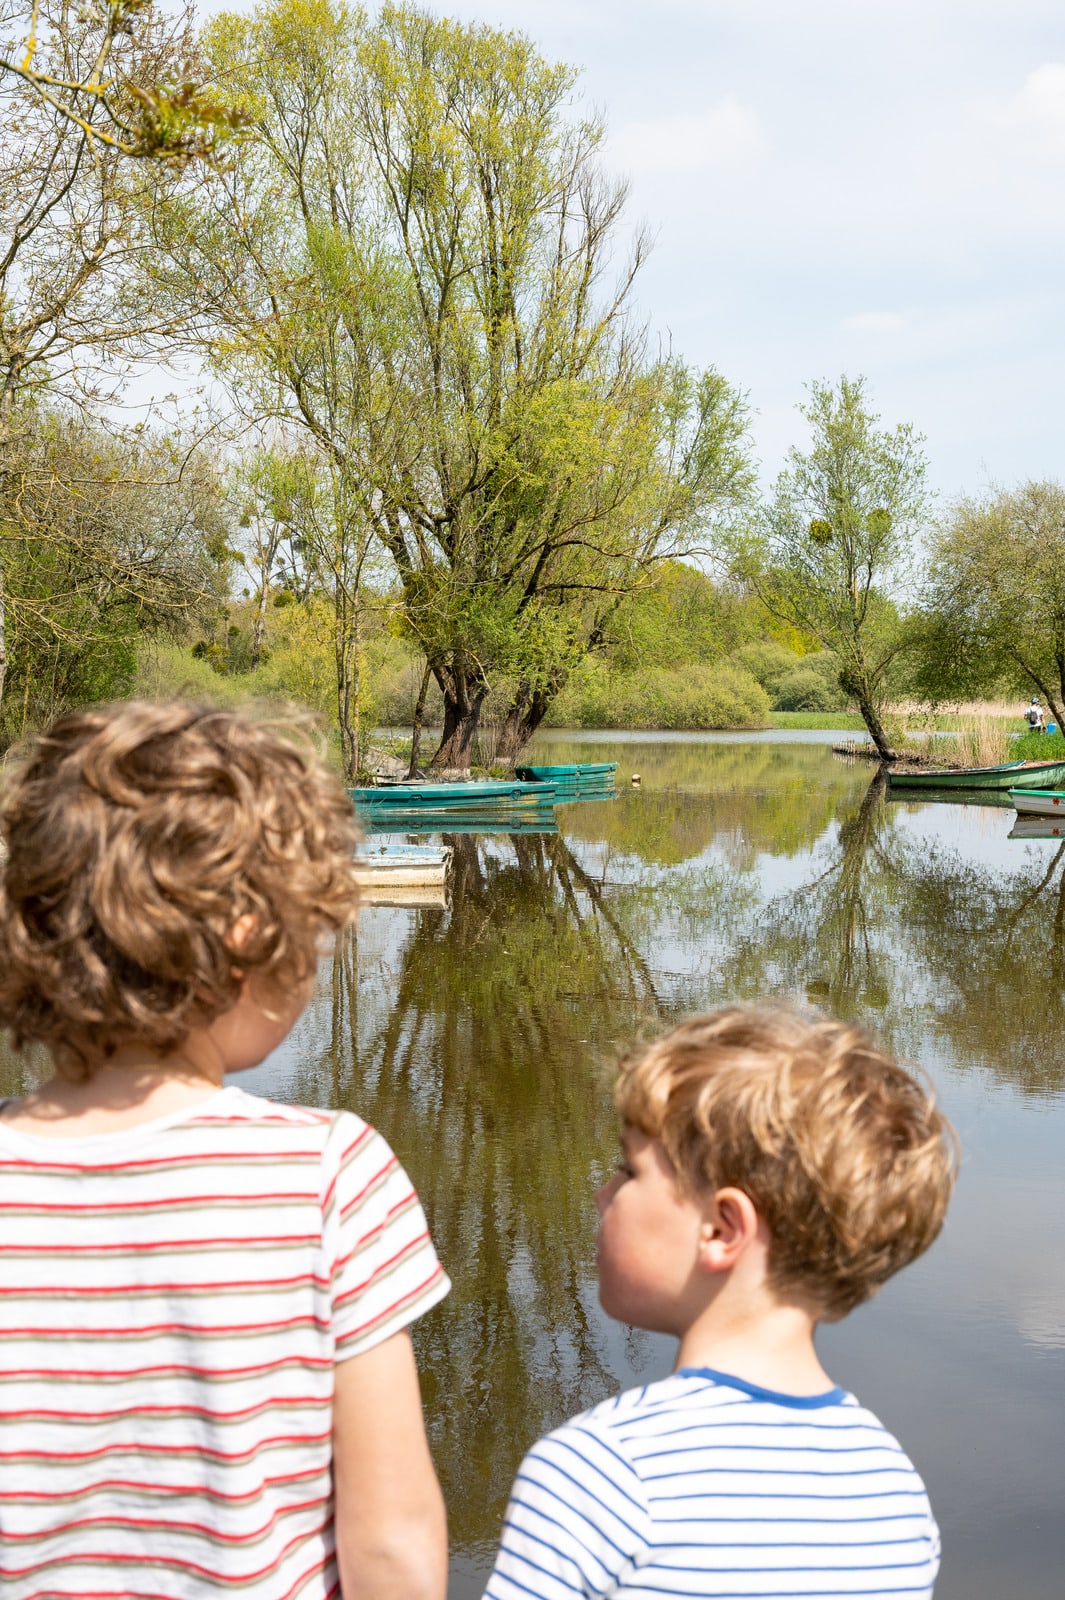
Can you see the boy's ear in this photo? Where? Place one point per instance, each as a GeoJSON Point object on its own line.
{"type": "Point", "coordinates": [730, 1226]}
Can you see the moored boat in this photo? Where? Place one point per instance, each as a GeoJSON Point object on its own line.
{"type": "Point", "coordinates": [402, 865]}
{"type": "Point", "coordinates": [579, 772]}
{"type": "Point", "coordinates": [1012, 775]}
{"type": "Point", "coordinates": [475, 795]}
{"type": "Point", "coordinates": [1038, 802]}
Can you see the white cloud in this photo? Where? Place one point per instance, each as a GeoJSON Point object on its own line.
{"type": "Point", "coordinates": [725, 136]}
{"type": "Point", "coordinates": [874, 322]}
{"type": "Point", "coordinates": [1037, 110]}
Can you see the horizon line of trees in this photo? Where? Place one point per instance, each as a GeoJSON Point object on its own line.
{"type": "Point", "coordinates": [392, 246]}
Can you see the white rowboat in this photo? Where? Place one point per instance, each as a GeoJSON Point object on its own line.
{"type": "Point", "coordinates": [1038, 802]}
{"type": "Point", "coordinates": [407, 866]}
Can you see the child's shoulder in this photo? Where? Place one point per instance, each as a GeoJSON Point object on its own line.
{"type": "Point", "coordinates": [273, 1122]}
{"type": "Point", "coordinates": [713, 1397]}
{"type": "Point", "coordinates": [237, 1105]}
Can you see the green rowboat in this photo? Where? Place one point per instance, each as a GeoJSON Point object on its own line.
{"type": "Point", "coordinates": [477, 796]}
{"type": "Point", "coordinates": [1014, 775]}
{"type": "Point", "coordinates": [580, 772]}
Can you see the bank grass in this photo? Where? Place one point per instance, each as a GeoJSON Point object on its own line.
{"type": "Point", "coordinates": [979, 742]}
{"type": "Point", "coordinates": [1038, 747]}
{"type": "Point", "coordinates": [844, 721]}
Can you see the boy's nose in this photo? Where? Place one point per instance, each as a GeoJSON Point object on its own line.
{"type": "Point", "coordinates": [605, 1194]}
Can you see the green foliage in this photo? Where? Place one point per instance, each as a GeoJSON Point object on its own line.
{"type": "Point", "coordinates": [720, 696]}
{"type": "Point", "coordinates": [807, 689]}
{"type": "Point", "coordinates": [795, 683]}
{"type": "Point", "coordinates": [678, 616]}
{"type": "Point", "coordinates": [1038, 746]}
{"type": "Point", "coordinates": [844, 721]}
{"type": "Point", "coordinates": [837, 541]}
{"type": "Point", "coordinates": [143, 101]}
{"type": "Point", "coordinates": [994, 610]}
{"type": "Point", "coordinates": [103, 540]}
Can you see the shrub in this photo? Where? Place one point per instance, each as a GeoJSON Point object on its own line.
{"type": "Point", "coordinates": [724, 695]}
{"type": "Point", "coordinates": [806, 689]}
{"type": "Point", "coordinates": [794, 682]}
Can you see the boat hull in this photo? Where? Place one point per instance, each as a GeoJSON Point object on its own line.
{"type": "Point", "coordinates": [1038, 802]}
{"type": "Point", "coordinates": [453, 796]}
{"type": "Point", "coordinates": [1017, 774]}
{"type": "Point", "coordinates": [402, 866]}
{"type": "Point", "coordinates": [576, 772]}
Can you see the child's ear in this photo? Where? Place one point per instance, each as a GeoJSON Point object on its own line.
{"type": "Point", "coordinates": [730, 1226]}
{"type": "Point", "coordinates": [242, 930]}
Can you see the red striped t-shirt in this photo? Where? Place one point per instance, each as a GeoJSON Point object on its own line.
{"type": "Point", "coordinates": [173, 1299]}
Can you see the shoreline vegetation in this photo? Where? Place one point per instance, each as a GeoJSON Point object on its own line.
{"type": "Point", "coordinates": [716, 697]}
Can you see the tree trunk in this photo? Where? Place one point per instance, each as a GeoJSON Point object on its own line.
{"type": "Point", "coordinates": [416, 725]}
{"type": "Point", "coordinates": [876, 729]}
{"type": "Point", "coordinates": [462, 713]}
{"type": "Point", "coordinates": [346, 646]}
{"type": "Point", "coordinates": [3, 629]}
{"type": "Point", "coordinates": [524, 716]}
{"type": "Point", "coordinates": [260, 626]}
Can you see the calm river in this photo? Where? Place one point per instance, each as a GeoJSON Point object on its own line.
{"type": "Point", "coordinates": [478, 1036]}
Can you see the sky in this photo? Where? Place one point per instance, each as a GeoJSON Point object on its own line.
{"type": "Point", "coordinates": [844, 186]}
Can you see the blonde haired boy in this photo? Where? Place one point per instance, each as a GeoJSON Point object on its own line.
{"type": "Point", "coordinates": [775, 1172]}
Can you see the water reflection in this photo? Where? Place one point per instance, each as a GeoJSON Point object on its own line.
{"type": "Point", "coordinates": [478, 1036]}
{"type": "Point", "coordinates": [823, 939]}
{"type": "Point", "coordinates": [482, 1068]}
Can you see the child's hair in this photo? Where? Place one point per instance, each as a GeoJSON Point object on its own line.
{"type": "Point", "coordinates": [844, 1155]}
{"type": "Point", "coordinates": [137, 835]}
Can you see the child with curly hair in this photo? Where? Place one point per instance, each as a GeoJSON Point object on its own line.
{"type": "Point", "coordinates": [206, 1382]}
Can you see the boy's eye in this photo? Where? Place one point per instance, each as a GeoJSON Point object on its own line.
{"type": "Point", "coordinates": [623, 1167]}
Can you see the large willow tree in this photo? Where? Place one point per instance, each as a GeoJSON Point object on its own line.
{"type": "Point", "coordinates": [417, 256]}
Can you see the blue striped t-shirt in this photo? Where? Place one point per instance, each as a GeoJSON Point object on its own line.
{"type": "Point", "coordinates": [703, 1485]}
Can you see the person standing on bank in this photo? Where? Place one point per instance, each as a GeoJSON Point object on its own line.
{"type": "Point", "coordinates": [206, 1382]}
{"type": "Point", "coordinates": [1034, 717]}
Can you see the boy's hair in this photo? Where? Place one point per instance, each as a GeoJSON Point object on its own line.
{"type": "Point", "coordinates": [844, 1155]}
{"type": "Point", "coordinates": [137, 835]}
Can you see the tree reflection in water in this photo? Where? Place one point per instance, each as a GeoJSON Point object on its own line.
{"type": "Point", "coordinates": [992, 947]}
{"type": "Point", "coordinates": [485, 1072]}
{"type": "Point", "coordinates": [826, 940]}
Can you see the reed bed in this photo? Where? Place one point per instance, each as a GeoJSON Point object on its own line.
{"type": "Point", "coordinates": [981, 741]}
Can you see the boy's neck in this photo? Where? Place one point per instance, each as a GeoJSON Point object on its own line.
{"type": "Point", "coordinates": [763, 1341]}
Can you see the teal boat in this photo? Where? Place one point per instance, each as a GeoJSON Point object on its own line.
{"type": "Point", "coordinates": [488, 795]}
{"type": "Point", "coordinates": [1014, 775]}
{"type": "Point", "coordinates": [579, 772]}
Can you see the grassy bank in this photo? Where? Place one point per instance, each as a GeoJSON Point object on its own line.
{"type": "Point", "coordinates": [845, 721]}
